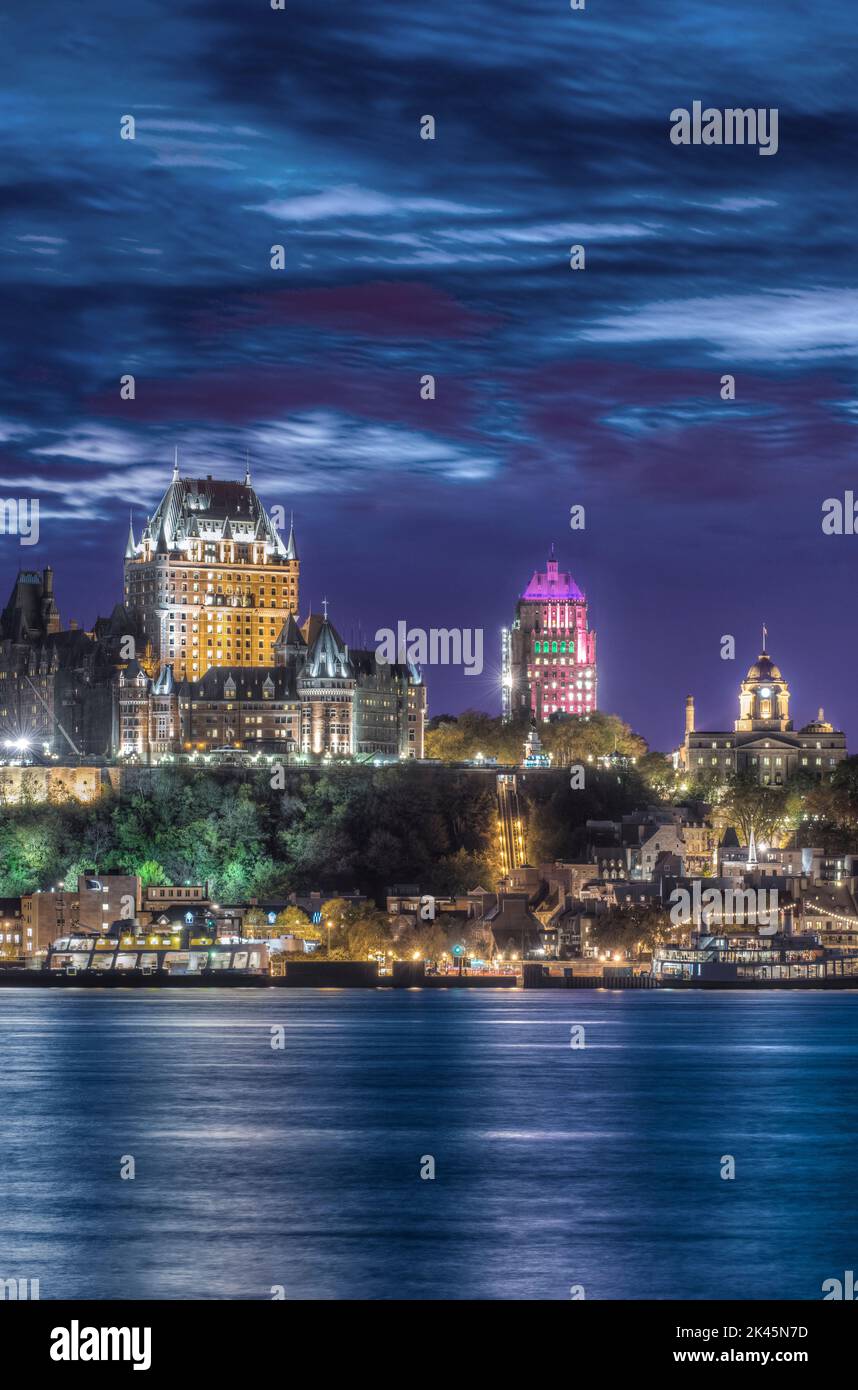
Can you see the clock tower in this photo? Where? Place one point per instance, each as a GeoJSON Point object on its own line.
{"type": "Point", "coordinates": [763, 699]}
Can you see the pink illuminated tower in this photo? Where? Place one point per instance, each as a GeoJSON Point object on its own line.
{"type": "Point", "coordinates": [549, 653]}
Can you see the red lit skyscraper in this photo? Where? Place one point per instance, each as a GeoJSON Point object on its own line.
{"type": "Point", "coordinates": [549, 653]}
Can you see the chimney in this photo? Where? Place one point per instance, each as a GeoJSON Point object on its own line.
{"type": "Point", "coordinates": [689, 715]}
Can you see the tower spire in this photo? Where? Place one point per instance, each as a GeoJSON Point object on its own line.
{"type": "Point", "coordinates": [247, 468]}
{"type": "Point", "coordinates": [765, 634]}
{"type": "Point", "coordinates": [752, 852]}
{"type": "Point", "coordinates": [176, 464]}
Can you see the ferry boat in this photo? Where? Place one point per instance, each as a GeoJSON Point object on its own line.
{"type": "Point", "coordinates": [778, 960]}
{"type": "Point", "coordinates": [138, 954]}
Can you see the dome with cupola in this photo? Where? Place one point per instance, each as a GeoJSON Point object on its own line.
{"type": "Point", "coordinates": [764, 669]}
{"type": "Point", "coordinates": [763, 698]}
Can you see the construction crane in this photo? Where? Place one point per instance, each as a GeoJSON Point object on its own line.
{"type": "Point", "coordinates": [68, 738]}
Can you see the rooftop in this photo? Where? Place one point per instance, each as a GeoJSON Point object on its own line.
{"type": "Point", "coordinates": [553, 584]}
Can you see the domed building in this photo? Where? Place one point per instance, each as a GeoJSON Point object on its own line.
{"type": "Point", "coordinates": [763, 698]}
{"type": "Point", "coordinates": [762, 741]}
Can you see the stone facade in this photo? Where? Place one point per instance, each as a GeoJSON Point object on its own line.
{"type": "Point", "coordinates": [319, 699]}
{"type": "Point", "coordinates": [762, 742]}
{"type": "Point", "coordinates": [211, 578]}
{"type": "Point", "coordinates": [57, 688]}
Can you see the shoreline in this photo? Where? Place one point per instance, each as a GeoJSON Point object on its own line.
{"type": "Point", "coordinates": [33, 979]}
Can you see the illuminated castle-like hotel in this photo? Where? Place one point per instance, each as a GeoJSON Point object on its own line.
{"type": "Point", "coordinates": [205, 654]}
{"type": "Point", "coordinates": [211, 578]}
{"type": "Point", "coordinates": [549, 653]}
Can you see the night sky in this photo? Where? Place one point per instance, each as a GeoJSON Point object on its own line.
{"type": "Point", "coordinates": [404, 257]}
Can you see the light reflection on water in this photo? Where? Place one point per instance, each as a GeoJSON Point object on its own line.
{"type": "Point", "coordinates": [555, 1166]}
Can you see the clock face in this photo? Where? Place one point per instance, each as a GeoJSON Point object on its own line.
{"type": "Point", "coordinates": [765, 693]}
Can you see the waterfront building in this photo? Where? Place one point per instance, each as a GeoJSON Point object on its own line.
{"type": "Point", "coordinates": [516, 932]}
{"type": "Point", "coordinates": [46, 916]}
{"type": "Point", "coordinates": [106, 898]}
{"type": "Point", "coordinates": [830, 913]}
{"type": "Point", "coordinates": [751, 960]}
{"type": "Point", "coordinates": [548, 656]}
{"type": "Point", "coordinates": [14, 942]}
{"type": "Point", "coordinates": [762, 741]}
{"type": "Point", "coordinates": [96, 903]}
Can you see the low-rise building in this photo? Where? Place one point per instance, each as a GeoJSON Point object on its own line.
{"type": "Point", "coordinates": [14, 942]}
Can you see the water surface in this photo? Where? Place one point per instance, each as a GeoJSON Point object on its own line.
{"type": "Point", "coordinates": [554, 1166]}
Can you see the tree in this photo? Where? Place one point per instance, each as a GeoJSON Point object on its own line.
{"type": "Point", "coordinates": [292, 919]}
{"type": "Point", "coordinates": [368, 935]}
{"type": "Point", "coordinates": [151, 874]}
{"type": "Point", "coordinates": [631, 930]}
{"type": "Point", "coordinates": [425, 941]}
{"type": "Point", "coordinates": [660, 776]}
{"type": "Point", "coordinates": [587, 738]}
{"type": "Point", "coordinates": [750, 806]}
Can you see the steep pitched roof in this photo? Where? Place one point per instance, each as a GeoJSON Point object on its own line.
{"type": "Point", "coordinates": [214, 509]}
{"type": "Point", "coordinates": [291, 635]}
{"type": "Point", "coordinates": [250, 683]}
{"type": "Point", "coordinates": [327, 656]}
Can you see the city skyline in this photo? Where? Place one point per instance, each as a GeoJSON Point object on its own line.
{"type": "Point", "coordinates": [450, 257]}
{"type": "Point", "coordinates": [709, 710]}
